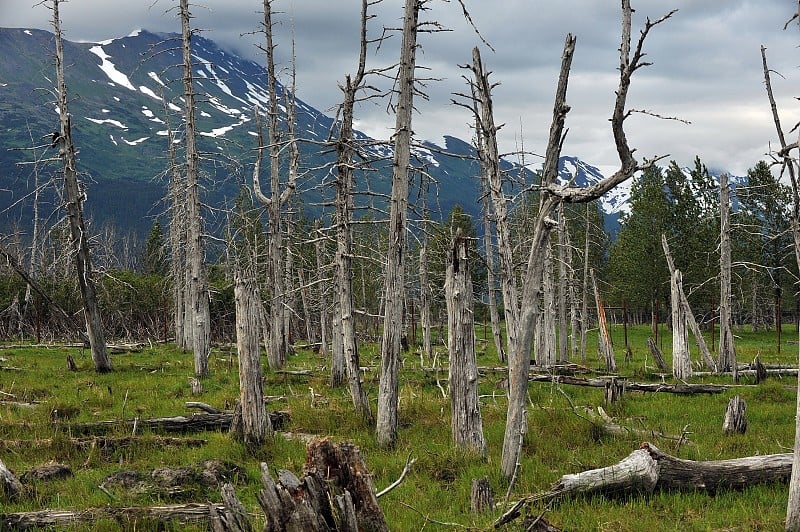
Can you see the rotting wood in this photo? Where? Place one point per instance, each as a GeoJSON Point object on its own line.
{"type": "Point", "coordinates": [10, 487]}
{"type": "Point", "coordinates": [680, 389]}
{"type": "Point", "coordinates": [735, 416]}
{"type": "Point", "coordinates": [183, 424]}
{"type": "Point", "coordinates": [648, 470]}
{"type": "Point", "coordinates": [108, 443]}
{"type": "Point", "coordinates": [183, 513]}
{"type": "Point", "coordinates": [657, 356]}
{"type": "Point", "coordinates": [605, 348]}
{"type": "Point", "coordinates": [481, 499]}
{"type": "Point", "coordinates": [232, 517]}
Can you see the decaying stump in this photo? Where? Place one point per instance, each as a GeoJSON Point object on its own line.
{"type": "Point", "coordinates": [10, 486]}
{"type": "Point", "coordinates": [615, 389]}
{"type": "Point", "coordinates": [232, 517]}
{"type": "Point", "coordinates": [481, 499]}
{"type": "Point", "coordinates": [735, 416]}
{"type": "Point", "coordinates": [335, 493]}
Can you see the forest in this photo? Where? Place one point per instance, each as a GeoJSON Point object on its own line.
{"type": "Point", "coordinates": [378, 369]}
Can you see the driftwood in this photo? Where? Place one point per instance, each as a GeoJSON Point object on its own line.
{"type": "Point", "coordinates": [183, 513]}
{"type": "Point", "coordinates": [648, 470]}
{"type": "Point", "coordinates": [180, 424]}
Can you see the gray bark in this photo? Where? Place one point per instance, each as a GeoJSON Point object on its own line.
{"type": "Point", "coordinates": [198, 322]}
{"type": "Point", "coordinates": [345, 345]}
{"type": "Point", "coordinates": [727, 348]}
{"type": "Point", "coordinates": [467, 426]}
{"type": "Point", "coordinates": [564, 278]}
{"type": "Point", "coordinates": [256, 425]}
{"type": "Point", "coordinates": [585, 290]}
{"type": "Point", "coordinates": [605, 348]}
{"type": "Point", "coordinates": [394, 278]}
{"type": "Point", "coordinates": [681, 361]}
{"type": "Point", "coordinates": [735, 416]}
{"type": "Point", "coordinates": [425, 300]}
{"type": "Point", "coordinates": [74, 198]}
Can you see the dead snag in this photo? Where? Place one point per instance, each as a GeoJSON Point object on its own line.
{"type": "Point", "coordinates": [735, 416]}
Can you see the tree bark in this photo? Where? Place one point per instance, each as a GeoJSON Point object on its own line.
{"type": "Point", "coordinates": [681, 362]}
{"type": "Point", "coordinates": [467, 426]}
{"type": "Point", "coordinates": [183, 513]}
{"type": "Point", "coordinates": [74, 198]}
{"type": "Point", "coordinates": [604, 339]}
{"type": "Point", "coordinates": [727, 348]}
{"type": "Point", "coordinates": [481, 499]}
{"type": "Point", "coordinates": [256, 426]}
{"type": "Point", "coordinates": [735, 416]}
{"type": "Point", "coordinates": [10, 487]}
{"type": "Point", "coordinates": [197, 305]}
{"type": "Point", "coordinates": [394, 278]}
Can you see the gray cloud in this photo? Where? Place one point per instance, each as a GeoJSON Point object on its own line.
{"type": "Point", "coordinates": [707, 67]}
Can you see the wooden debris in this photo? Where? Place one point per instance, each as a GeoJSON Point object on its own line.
{"type": "Point", "coordinates": [680, 389]}
{"type": "Point", "coordinates": [10, 487]}
{"type": "Point", "coordinates": [648, 469]}
{"type": "Point", "coordinates": [179, 424]}
{"type": "Point", "coordinates": [47, 472]}
{"type": "Point", "coordinates": [735, 416]}
{"type": "Point", "coordinates": [183, 513]}
{"type": "Point", "coordinates": [108, 443]}
{"type": "Point", "coordinates": [657, 356]}
{"type": "Point", "coordinates": [482, 499]}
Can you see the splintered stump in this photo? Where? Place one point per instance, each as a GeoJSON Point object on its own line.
{"type": "Point", "coordinates": [335, 493]}
{"type": "Point", "coordinates": [615, 389]}
{"type": "Point", "coordinates": [735, 416]}
{"type": "Point", "coordinates": [482, 499]}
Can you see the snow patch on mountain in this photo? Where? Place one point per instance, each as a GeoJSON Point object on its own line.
{"type": "Point", "coordinates": [108, 121]}
{"type": "Point", "coordinates": [110, 70]}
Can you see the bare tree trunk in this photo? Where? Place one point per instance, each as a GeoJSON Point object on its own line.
{"type": "Point", "coordinates": [603, 338]}
{"type": "Point", "coordinates": [585, 298]}
{"type": "Point", "coordinates": [425, 300]}
{"type": "Point", "coordinates": [488, 229]}
{"type": "Point", "coordinates": [256, 425]}
{"type": "Point", "coordinates": [197, 300]}
{"type": "Point", "coordinates": [74, 197]}
{"type": "Point", "coordinates": [681, 361]}
{"type": "Point", "coordinates": [467, 427]}
{"type": "Point", "coordinates": [563, 283]}
{"type": "Point", "coordinates": [279, 342]}
{"type": "Point", "coordinates": [394, 279]}
{"type": "Point", "coordinates": [727, 348]}
{"type": "Point", "coordinates": [324, 316]}
{"type": "Point", "coordinates": [345, 345]}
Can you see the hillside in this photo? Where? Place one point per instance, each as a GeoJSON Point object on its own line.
{"type": "Point", "coordinates": [124, 92]}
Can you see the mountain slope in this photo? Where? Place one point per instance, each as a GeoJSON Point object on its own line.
{"type": "Point", "coordinates": [124, 91]}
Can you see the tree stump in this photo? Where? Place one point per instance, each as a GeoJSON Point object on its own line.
{"type": "Point", "coordinates": [615, 389]}
{"type": "Point", "coordinates": [10, 487]}
{"type": "Point", "coordinates": [735, 416]}
{"type": "Point", "coordinates": [482, 499]}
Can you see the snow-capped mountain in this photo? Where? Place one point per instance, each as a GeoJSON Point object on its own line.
{"type": "Point", "coordinates": [126, 92]}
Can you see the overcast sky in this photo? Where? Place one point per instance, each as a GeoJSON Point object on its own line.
{"type": "Point", "coordinates": [707, 65]}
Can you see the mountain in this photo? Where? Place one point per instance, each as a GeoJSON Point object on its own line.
{"type": "Point", "coordinates": [124, 91]}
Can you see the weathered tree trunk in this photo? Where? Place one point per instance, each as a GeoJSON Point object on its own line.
{"type": "Point", "coordinates": [585, 289]}
{"type": "Point", "coordinates": [62, 519]}
{"type": "Point", "coordinates": [735, 416]}
{"type": "Point", "coordinates": [656, 352]}
{"type": "Point", "coordinates": [346, 345]}
{"type": "Point", "coordinates": [232, 517]}
{"type": "Point", "coordinates": [727, 348]}
{"type": "Point", "coordinates": [687, 312]}
{"type": "Point", "coordinates": [394, 278]}
{"type": "Point", "coordinates": [425, 297]}
{"type": "Point", "coordinates": [197, 304]}
{"type": "Point", "coordinates": [467, 426]}
{"type": "Point", "coordinates": [324, 315]}
{"type": "Point", "coordinates": [564, 278]}
{"type": "Point", "coordinates": [681, 361]}
{"type": "Point", "coordinates": [256, 425]}
{"type": "Point", "coordinates": [74, 196]}
{"type": "Point", "coordinates": [548, 341]}
{"type": "Point", "coordinates": [603, 338]}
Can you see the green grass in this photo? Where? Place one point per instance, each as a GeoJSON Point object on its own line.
{"type": "Point", "coordinates": [155, 382]}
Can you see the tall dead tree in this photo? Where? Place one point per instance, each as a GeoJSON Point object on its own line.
{"type": "Point", "coordinates": [198, 322]}
{"type": "Point", "coordinates": [681, 361]}
{"type": "Point", "coordinates": [394, 278]}
{"type": "Point", "coordinates": [727, 349]}
{"type": "Point", "coordinates": [347, 344]}
{"type": "Point", "coordinates": [526, 308]}
{"type": "Point", "coordinates": [564, 278]}
{"type": "Point", "coordinates": [279, 342]}
{"type": "Point", "coordinates": [74, 196]}
{"type": "Point", "coordinates": [791, 165]}
{"type": "Point", "coordinates": [467, 426]}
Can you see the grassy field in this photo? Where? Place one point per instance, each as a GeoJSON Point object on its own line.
{"type": "Point", "coordinates": [155, 382]}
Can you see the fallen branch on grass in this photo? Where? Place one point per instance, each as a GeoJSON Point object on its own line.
{"type": "Point", "coordinates": [106, 442]}
{"type": "Point", "coordinates": [648, 470]}
{"type": "Point", "coordinates": [180, 424]}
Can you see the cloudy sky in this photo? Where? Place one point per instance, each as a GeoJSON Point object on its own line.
{"type": "Point", "coordinates": [707, 65]}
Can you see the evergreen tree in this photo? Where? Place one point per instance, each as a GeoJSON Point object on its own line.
{"type": "Point", "coordinates": [154, 257]}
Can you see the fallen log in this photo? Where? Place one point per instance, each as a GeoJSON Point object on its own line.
{"type": "Point", "coordinates": [183, 513]}
{"type": "Point", "coordinates": [108, 443]}
{"type": "Point", "coordinates": [177, 424]}
{"type": "Point", "coordinates": [648, 469]}
{"type": "Point", "coordinates": [679, 389]}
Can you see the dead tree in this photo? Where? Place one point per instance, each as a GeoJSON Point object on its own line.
{"type": "Point", "coordinates": [74, 197]}
{"type": "Point", "coordinates": [467, 426]}
{"type": "Point", "coordinates": [524, 311]}
{"type": "Point", "coordinates": [564, 278]}
{"type": "Point", "coordinates": [346, 345]}
{"type": "Point", "coordinates": [604, 346]}
{"type": "Point", "coordinates": [394, 278]}
{"type": "Point", "coordinates": [791, 165]}
{"type": "Point", "coordinates": [727, 349]}
{"type": "Point", "coordinates": [256, 425]}
{"type": "Point", "coordinates": [198, 317]}
{"type": "Point", "coordinates": [279, 342]}
{"type": "Point", "coordinates": [681, 361]}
